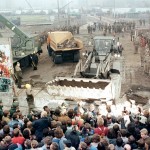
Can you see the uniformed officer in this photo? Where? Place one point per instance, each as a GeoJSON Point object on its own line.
{"type": "Point", "coordinates": [131, 35]}
{"type": "Point", "coordinates": [18, 73]}
{"type": "Point", "coordinates": [88, 28]}
{"type": "Point", "coordinates": [147, 60]}
{"type": "Point", "coordinates": [142, 49]}
{"type": "Point", "coordinates": [136, 45]}
{"type": "Point", "coordinates": [30, 97]}
{"type": "Point", "coordinates": [34, 60]}
{"type": "Point", "coordinates": [78, 28]}
{"type": "Point", "coordinates": [14, 107]}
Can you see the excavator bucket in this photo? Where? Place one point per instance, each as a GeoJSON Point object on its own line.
{"type": "Point", "coordinates": [81, 88]}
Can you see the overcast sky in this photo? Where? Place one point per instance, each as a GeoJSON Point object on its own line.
{"type": "Point", "coordinates": [36, 4]}
{"type": "Point", "coordinates": [51, 4]}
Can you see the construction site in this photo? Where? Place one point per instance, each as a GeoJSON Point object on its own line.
{"type": "Point", "coordinates": [134, 83]}
{"type": "Point", "coordinates": [92, 60]}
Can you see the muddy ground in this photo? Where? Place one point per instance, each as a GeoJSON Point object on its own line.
{"type": "Point", "coordinates": [135, 85]}
{"type": "Point", "coordinates": [134, 80]}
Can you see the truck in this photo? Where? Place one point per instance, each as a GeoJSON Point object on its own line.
{"type": "Point", "coordinates": [97, 77]}
{"type": "Point", "coordinates": [22, 44]}
{"type": "Point", "coordinates": [62, 46]}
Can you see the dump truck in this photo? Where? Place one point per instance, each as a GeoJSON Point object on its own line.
{"type": "Point", "coordinates": [22, 44]}
{"type": "Point", "coordinates": [62, 46]}
{"type": "Point", "coordinates": [98, 77]}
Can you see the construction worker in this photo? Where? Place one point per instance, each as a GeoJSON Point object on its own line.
{"type": "Point", "coordinates": [30, 97]}
{"type": "Point", "coordinates": [18, 74]}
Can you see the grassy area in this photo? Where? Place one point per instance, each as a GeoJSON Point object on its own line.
{"type": "Point", "coordinates": [31, 18]}
{"type": "Point", "coordinates": [36, 18]}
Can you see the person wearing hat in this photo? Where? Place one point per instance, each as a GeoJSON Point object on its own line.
{"type": "Point", "coordinates": [14, 108]}
{"type": "Point", "coordinates": [30, 97]}
{"type": "Point", "coordinates": [68, 145]}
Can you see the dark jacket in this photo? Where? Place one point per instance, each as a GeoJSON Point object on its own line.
{"type": "Point", "coordinates": [39, 125]}
{"type": "Point", "coordinates": [74, 138]}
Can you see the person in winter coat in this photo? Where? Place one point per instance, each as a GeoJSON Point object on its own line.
{"type": "Point", "coordinates": [41, 124]}
{"type": "Point", "coordinates": [74, 137]}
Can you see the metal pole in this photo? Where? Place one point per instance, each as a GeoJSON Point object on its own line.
{"type": "Point", "coordinates": [68, 16]}
{"type": "Point", "coordinates": [58, 12]}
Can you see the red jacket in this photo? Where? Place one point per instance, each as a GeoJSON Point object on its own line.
{"type": "Point", "coordinates": [18, 139]}
{"type": "Point", "coordinates": [101, 130]}
{"type": "Point", "coordinates": [143, 42]}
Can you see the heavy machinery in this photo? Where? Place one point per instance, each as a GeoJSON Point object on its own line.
{"type": "Point", "coordinates": [102, 61]}
{"type": "Point", "coordinates": [22, 44]}
{"type": "Point", "coordinates": [100, 74]}
{"type": "Point", "coordinates": [63, 46]}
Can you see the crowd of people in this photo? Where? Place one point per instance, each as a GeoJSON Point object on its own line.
{"type": "Point", "coordinates": [116, 27]}
{"type": "Point", "coordinates": [104, 126]}
{"type": "Point", "coordinates": [142, 46]}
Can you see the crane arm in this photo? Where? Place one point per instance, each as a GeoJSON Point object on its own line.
{"type": "Point", "coordinates": [13, 28]}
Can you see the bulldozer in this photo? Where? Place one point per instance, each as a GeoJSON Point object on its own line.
{"type": "Point", "coordinates": [102, 61]}
{"type": "Point", "coordinates": [98, 77]}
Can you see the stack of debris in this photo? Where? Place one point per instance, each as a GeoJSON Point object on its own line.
{"type": "Point", "coordinates": [69, 43]}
